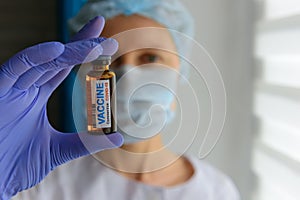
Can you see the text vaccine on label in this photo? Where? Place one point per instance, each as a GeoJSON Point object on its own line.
{"type": "Point", "coordinates": [101, 103]}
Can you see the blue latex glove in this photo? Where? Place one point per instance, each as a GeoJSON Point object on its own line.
{"type": "Point", "coordinates": [29, 147]}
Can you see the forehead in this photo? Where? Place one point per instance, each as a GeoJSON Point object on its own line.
{"type": "Point", "coordinates": [137, 32]}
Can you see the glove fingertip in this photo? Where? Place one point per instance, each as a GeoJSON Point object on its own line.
{"type": "Point", "coordinates": [96, 143]}
{"type": "Point", "coordinates": [98, 21]}
{"type": "Point", "coordinates": [94, 54]}
{"type": "Point", "coordinates": [117, 139]}
{"type": "Point", "coordinates": [91, 30]}
{"type": "Point", "coordinates": [110, 46]}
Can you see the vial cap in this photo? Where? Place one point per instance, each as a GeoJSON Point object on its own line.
{"type": "Point", "coordinates": [103, 60]}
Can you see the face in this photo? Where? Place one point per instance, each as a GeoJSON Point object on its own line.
{"type": "Point", "coordinates": [141, 41]}
{"type": "Point", "coordinates": [145, 45]}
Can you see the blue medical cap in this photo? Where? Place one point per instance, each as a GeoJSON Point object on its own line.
{"type": "Point", "coordinates": [170, 13]}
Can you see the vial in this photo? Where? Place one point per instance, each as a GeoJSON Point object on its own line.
{"type": "Point", "coordinates": [101, 101]}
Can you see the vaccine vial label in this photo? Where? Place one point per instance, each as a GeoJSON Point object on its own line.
{"type": "Point", "coordinates": [101, 115]}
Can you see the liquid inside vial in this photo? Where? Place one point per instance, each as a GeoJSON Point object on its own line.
{"type": "Point", "coordinates": [101, 103]}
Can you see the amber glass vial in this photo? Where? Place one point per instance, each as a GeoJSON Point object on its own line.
{"type": "Point", "coordinates": [101, 101]}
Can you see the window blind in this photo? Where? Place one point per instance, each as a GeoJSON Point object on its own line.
{"type": "Point", "coordinates": [276, 152]}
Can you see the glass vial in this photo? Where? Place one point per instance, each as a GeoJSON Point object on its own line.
{"type": "Point", "coordinates": [101, 101]}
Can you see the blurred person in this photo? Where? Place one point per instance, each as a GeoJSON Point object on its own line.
{"type": "Point", "coordinates": [142, 168]}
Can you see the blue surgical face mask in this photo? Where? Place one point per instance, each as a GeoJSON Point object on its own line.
{"type": "Point", "coordinates": [144, 98]}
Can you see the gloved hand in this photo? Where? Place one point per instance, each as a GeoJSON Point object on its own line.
{"type": "Point", "coordinates": [29, 147]}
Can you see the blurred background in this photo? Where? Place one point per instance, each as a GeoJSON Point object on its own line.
{"type": "Point", "coordinates": [255, 44]}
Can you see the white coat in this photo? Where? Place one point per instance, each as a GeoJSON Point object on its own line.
{"type": "Point", "coordinates": [88, 179]}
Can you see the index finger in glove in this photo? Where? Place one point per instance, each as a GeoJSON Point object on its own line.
{"type": "Point", "coordinates": [74, 53]}
{"type": "Point", "coordinates": [25, 60]}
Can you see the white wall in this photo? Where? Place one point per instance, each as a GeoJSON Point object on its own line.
{"type": "Point", "coordinates": [224, 28]}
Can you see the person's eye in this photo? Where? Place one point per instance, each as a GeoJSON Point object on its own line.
{"type": "Point", "coordinates": [150, 58]}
